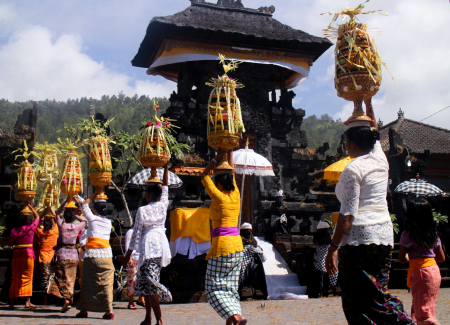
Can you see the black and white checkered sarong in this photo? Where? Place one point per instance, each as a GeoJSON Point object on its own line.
{"type": "Point", "coordinates": [222, 282]}
{"type": "Point", "coordinates": [249, 251]}
{"type": "Point", "coordinates": [319, 262]}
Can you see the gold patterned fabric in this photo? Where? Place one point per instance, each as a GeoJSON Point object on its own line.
{"type": "Point", "coordinates": [64, 280]}
{"type": "Point", "coordinates": [97, 285]}
{"type": "Point", "coordinates": [45, 273]}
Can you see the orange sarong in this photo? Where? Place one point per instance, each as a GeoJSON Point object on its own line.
{"type": "Point", "coordinates": [22, 277]}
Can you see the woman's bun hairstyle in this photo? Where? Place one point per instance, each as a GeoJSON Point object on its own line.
{"type": "Point", "coordinates": [69, 215]}
{"type": "Point", "coordinates": [155, 191]}
{"type": "Point", "coordinates": [364, 137]}
{"type": "Point", "coordinates": [226, 180]}
{"type": "Point", "coordinates": [101, 208]}
{"type": "Point", "coordinates": [47, 223]}
{"type": "Point", "coordinates": [24, 219]}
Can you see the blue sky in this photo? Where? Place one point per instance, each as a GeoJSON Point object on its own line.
{"type": "Point", "coordinates": [78, 48]}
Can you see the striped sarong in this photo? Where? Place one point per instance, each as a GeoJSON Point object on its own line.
{"type": "Point", "coordinates": [222, 282]}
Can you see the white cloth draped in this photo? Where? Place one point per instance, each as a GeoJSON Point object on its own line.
{"type": "Point", "coordinates": [186, 245]}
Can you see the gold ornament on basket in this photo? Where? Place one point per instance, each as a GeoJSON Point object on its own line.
{"type": "Point", "coordinates": [47, 168]}
{"type": "Point", "coordinates": [47, 172]}
{"type": "Point", "coordinates": [100, 167]}
{"type": "Point", "coordinates": [225, 124]}
{"type": "Point", "coordinates": [357, 62]}
{"type": "Point", "coordinates": [26, 179]}
{"type": "Point", "coordinates": [71, 180]}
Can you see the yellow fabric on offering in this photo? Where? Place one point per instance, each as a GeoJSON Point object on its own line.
{"type": "Point", "coordinates": [223, 212]}
{"type": "Point", "coordinates": [190, 223]}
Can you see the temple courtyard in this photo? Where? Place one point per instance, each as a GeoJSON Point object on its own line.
{"type": "Point", "coordinates": [312, 311]}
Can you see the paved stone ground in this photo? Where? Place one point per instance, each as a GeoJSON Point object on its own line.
{"type": "Point", "coordinates": [312, 311]}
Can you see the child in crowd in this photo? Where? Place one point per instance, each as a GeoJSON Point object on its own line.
{"type": "Point", "coordinates": [132, 270]}
{"type": "Point", "coordinates": [420, 245]}
{"type": "Point", "coordinates": [320, 280]}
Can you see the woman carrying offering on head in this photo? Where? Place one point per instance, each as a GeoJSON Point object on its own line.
{"type": "Point", "coordinates": [46, 238]}
{"type": "Point", "coordinates": [226, 253]}
{"type": "Point", "coordinates": [421, 246]}
{"type": "Point", "coordinates": [23, 257]}
{"type": "Point", "coordinates": [98, 269]}
{"type": "Point", "coordinates": [149, 238]}
{"type": "Point", "coordinates": [66, 263]}
{"type": "Point", "coordinates": [364, 233]}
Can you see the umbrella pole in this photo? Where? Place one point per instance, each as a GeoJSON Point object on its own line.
{"type": "Point", "coordinates": [242, 196]}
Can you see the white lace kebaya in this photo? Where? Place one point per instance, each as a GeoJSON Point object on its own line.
{"type": "Point", "coordinates": [98, 227]}
{"type": "Point", "coordinates": [149, 235]}
{"type": "Point", "coordinates": [362, 190]}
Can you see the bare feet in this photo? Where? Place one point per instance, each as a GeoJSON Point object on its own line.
{"type": "Point", "coordinates": [236, 320]}
{"type": "Point", "coordinates": [65, 307]}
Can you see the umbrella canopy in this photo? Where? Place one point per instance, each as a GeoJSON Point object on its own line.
{"type": "Point", "coordinates": [418, 187]}
{"type": "Point", "coordinates": [140, 178]}
{"type": "Point", "coordinates": [248, 162]}
{"type": "Point", "coordinates": [333, 172]}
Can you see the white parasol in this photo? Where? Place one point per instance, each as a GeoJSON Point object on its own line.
{"type": "Point", "coordinates": [248, 162]}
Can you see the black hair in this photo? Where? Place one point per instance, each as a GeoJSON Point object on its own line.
{"type": "Point", "coordinates": [420, 223]}
{"type": "Point", "coordinates": [364, 137]}
{"type": "Point", "coordinates": [48, 223]}
{"type": "Point", "coordinates": [24, 219]}
{"type": "Point", "coordinates": [322, 236]}
{"type": "Point", "coordinates": [79, 205]}
{"type": "Point", "coordinates": [101, 208]}
{"type": "Point", "coordinates": [226, 180]}
{"type": "Point", "coordinates": [69, 215]}
{"type": "Point", "coordinates": [155, 191]}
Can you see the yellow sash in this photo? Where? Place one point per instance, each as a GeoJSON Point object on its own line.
{"type": "Point", "coordinates": [419, 263]}
{"type": "Point", "coordinates": [94, 242]}
{"type": "Point", "coordinates": [23, 246]}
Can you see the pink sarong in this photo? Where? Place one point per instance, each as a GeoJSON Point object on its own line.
{"type": "Point", "coordinates": [425, 283]}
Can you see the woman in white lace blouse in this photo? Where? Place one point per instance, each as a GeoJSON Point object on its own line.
{"type": "Point", "coordinates": [149, 238]}
{"type": "Point", "coordinates": [364, 233]}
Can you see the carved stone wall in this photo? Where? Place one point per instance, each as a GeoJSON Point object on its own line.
{"type": "Point", "coordinates": [274, 122]}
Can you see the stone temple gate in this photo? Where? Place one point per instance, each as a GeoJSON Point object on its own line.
{"type": "Point", "coordinates": [184, 48]}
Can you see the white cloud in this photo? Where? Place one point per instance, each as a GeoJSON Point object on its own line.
{"type": "Point", "coordinates": [37, 65]}
{"type": "Point", "coordinates": [61, 50]}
